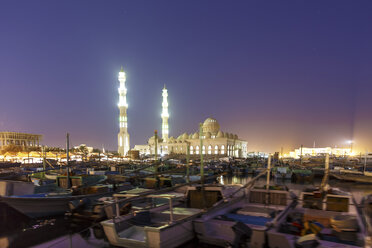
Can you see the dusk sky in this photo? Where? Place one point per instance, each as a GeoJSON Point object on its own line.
{"type": "Point", "coordinates": [276, 73]}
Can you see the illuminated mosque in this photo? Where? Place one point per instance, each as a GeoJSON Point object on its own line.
{"type": "Point", "coordinates": [215, 142]}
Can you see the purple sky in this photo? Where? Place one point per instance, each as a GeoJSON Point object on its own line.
{"type": "Point", "coordinates": [277, 73]}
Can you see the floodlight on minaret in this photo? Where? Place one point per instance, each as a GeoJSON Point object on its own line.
{"type": "Point", "coordinates": [123, 135]}
{"type": "Point", "coordinates": [165, 115]}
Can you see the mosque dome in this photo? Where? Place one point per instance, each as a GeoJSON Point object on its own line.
{"type": "Point", "coordinates": [211, 125]}
{"type": "Point", "coordinates": [219, 134]}
{"type": "Point", "coordinates": [235, 136]}
{"type": "Point", "coordinates": [195, 135]}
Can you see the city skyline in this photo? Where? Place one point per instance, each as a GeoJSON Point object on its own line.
{"type": "Point", "coordinates": [277, 76]}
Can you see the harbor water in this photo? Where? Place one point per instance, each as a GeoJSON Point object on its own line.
{"type": "Point", "coordinates": [17, 230]}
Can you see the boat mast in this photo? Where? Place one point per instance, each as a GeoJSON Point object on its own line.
{"type": "Point", "coordinates": [187, 161]}
{"type": "Point", "coordinates": [67, 159]}
{"type": "Point", "coordinates": [43, 152]}
{"type": "Point", "coordinates": [365, 162]}
{"type": "Point", "coordinates": [156, 150]}
{"type": "Point", "coordinates": [326, 173]}
{"type": "Point", "coordinates": [268, 172]}
{"type": "Point", "coordinates": [201, 154]}
{"type": "Point", "coordinates": [201, 163]}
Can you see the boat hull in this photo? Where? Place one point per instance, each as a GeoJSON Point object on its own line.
{"type": "Point", "coordinates": [36, 207]}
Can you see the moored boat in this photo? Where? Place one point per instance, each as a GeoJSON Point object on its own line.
{"type": "Point", "coordinates": [165, 226]}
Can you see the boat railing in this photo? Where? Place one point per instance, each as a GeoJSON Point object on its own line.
{"type": "Point", "coordinates": [139, 196]}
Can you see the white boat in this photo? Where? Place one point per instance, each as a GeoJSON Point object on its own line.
{"type": "Point", "coordinates": [251, 213]}
{"type": "Point", "coordinates": [332, 220]}
{"type": "Point", "coordinates": [50, 204]}
{"type": "Point", "coordinates": [324, 218]}
{"type": "Point", "coordinates": [283, 173]}
{"type": "Point", "coordinates": [165, 226]}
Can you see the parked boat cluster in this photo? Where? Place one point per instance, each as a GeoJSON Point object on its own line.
{"type": "Point", "coordinates": [170, 203]}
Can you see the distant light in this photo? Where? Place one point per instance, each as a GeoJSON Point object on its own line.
{"type": "Point", "coordinates": [350, 141]}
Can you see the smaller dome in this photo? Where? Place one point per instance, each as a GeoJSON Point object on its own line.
{"type": "Point", "coordinates": [235, 136]}
{"type": "Point", "coordinates": [195, 135]}
{"type": "Point", "coordinates": [226, 135]}
{"type": "Point", "coordinates": [179, 137]}
{"type": "Point", "coordinates": [208, 135]}
{"type": "Point", "coordinates": [219, 134]}
{"type": "Point", "coordinates": [185, 136]}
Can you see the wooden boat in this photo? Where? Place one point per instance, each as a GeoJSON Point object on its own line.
{"type": "Point", "coordinates": [325, 218]}
{"type": "Point", "coordinates": [243, 219]}
{"type": "Point", "coordinates": [165, 226]}
{"type": "Point", "coordinates": [332, 220]}
{"type": "Point", "coordinates": [250, 214]}
{"type": "Point", "coordinates": [353, 177]}
{"type": "Point", "coordinates": [50, 204]}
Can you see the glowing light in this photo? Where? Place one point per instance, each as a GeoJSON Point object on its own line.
{"type": "Point", "coordinates": [123, 123]}
{"type": "Point", "coordinates": [165, 115]}
{"type": "Point", "coordinates": [308, 152]}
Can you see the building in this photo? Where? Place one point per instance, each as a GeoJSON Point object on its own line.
{"type": "Point", "coordinates": [215, 142]}
{"type": "Point", "coordinates": [19, 139]}
{"type": "Point", "coordinates": [123, 135]}
{"type": "Point", "coordinates": [312, 152]}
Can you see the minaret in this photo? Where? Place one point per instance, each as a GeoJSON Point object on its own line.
{"type": "Point", "coordinates": [123, 135]}
{"type": "Point", "coordinates": [165, 116]}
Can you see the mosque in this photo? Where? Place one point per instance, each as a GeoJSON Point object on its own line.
{"type": "Point", "coordinates": [214, 141]}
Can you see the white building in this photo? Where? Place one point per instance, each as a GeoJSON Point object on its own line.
{"type": "Point", "coordinates": [312, 152]}
{"type": "Point", "coordinates": [215, 142]}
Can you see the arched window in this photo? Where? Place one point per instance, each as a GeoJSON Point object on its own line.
{"type": "Point", "coordinates": [216, 149]}
{"type": "Point", "coordinates": [197, 149]}
{"type": "Point", "coordinates": [222, 149]}
{"type": "Point", "coordinates": [191, 150]}
{"type": "Point", "coordinates": [203, 150]}
{"type": "Point", "coordinates": [121, 141]}
{"type": "Point", "coordinates": [209, 149]}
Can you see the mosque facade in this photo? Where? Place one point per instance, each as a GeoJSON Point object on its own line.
{"type": "Point", "coordinates": [214, 141]}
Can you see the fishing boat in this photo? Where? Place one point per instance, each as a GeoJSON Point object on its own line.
{"type": "Point", "coordinates": [353, 178]}
{"type": "Point", "coordinates": [167, 225]}
{"type": "Point", "coordinates": [354, 175]}
{"type": "Point", "coordinates": [302, 175]}
{"type": "Point", "coordinates": [51, 203]}
{"type": "Point", "coordinates": [223, 225]}
{"type": "Point", "coordinates": [329, 219]}
{"type": "Point", "coordinates": [326, 217]}
{"type": "Point", "coordinates": [244, 219]}
{"type": "Point", "coordinates": [283, 173]}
